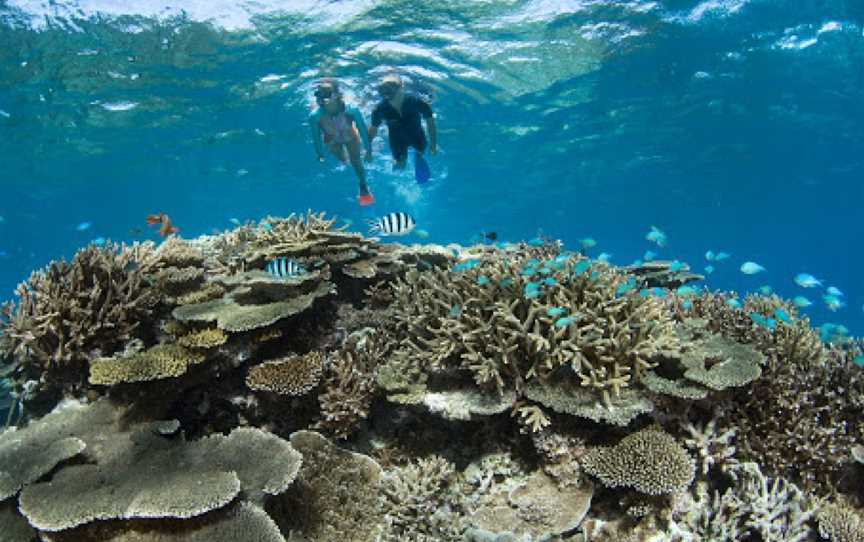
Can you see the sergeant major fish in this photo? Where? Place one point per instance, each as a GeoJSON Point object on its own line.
{"type": "Point", "coordinates": [283, 268]}
{"type": "Point", "coordinates": [392, 224]}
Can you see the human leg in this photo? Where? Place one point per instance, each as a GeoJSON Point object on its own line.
{"type": "Point", "coordinates": [399, 148]}
{"type": "Point", "coordinates": [339, 151]}
{"type": "Point", "coordinates": [354, 154]}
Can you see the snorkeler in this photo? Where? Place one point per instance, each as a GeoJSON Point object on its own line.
{"type": "Point", "coordinates": [341, 128]}
{"type": "Point", "coordinates": [402, 112]}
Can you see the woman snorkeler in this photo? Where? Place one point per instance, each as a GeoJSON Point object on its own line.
{"type": "Point", "coordinates": [341, 128]}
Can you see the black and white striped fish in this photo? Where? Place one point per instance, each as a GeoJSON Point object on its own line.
{"type": "Point", "coordinates": [392, 224]}
{"type": "Point", "coordinates": [283, 268]}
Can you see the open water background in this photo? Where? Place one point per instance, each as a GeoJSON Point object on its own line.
{"type": "Point", "coordinates": [732, 125]}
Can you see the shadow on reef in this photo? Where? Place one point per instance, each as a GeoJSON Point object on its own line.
{"type": "Point", "coordinates": [384, 392]}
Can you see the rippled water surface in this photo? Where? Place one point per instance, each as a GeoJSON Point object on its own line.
{"type": "Point", "coordinates": [732, 125]}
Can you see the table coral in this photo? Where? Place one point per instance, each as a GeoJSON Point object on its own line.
{"type": "Point", "coordinates": [203, 338]}
{"type": "Point", "coordinates": [239, 521]}
{"type": "Point", "coordinates": [161, 361]}
{"type": "Point", "coordinates": [137, 473]}
{"type": "Point", "coordinates": [233, 316]}
{"type": "Point", "coordinates": [292, 375]}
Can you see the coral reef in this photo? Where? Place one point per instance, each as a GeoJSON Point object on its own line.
{"type": "Point", "coordinates": [508, 320]}
{"type": "Point", "coordinates": [507, 392]}
{"type": "Point", "coordinates": [161, 361]}
{"type": "Point", "coordinates": [136, 472]}
{"type": "Point", "coordinates": [649, 461]}
{"type": "Point", "coordinates": [423, 502]}
{"type": "Point", "coordinates": [772, 510]}
{"type": "Point", "coordinates": [350, 385]}
{"type": "Point", "coordinates": [336, 496]}
{"type": "Point", "coordinates": [838, 522]}
{"type": "Point", "coordinates": [71, 312]}
{"type": "Point", "coordinates": [293, 375]}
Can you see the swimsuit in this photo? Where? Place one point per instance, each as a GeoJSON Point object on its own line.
{"type": "Point", "coordinates": [337, 128]}
{"type": "Point", "coordinates": [405, 129]}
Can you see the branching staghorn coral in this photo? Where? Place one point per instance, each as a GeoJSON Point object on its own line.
{"type": "Point", "coordinates": [72, 312]}
{"type": "Point", "coordinates": [350, 385]}
{"type": "Point", "coordinates": [714, 452]}
{"type": "Point", "coordinates": [508, 319]}
{"type": "Point", "coordinates": [423, 502]}
{"type": "Point", "coordinates": [769, 509]}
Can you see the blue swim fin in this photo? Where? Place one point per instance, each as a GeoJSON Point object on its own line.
{"type": "Point", "coordinates": [421, 169]}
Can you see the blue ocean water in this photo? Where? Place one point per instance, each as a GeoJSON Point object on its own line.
{"type": "Point", "coordinates": [731, 125]}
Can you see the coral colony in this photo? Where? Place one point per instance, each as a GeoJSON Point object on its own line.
{"type": "Point", "coordinates": [370, 391]}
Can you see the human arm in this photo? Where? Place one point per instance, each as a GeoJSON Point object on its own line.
{"type": "Point", "coordinates": [373, 126]}
{"type": "Point", "coordinates": [361, 128]}
{"type": "Point", "coordinates": [315, 129]}
{"type": "Point", "coordinates": [431, 127]}
{"type": "Point", "coordinates": [433, 134]}
{"type": "Point", "coordinates": [373, 131]}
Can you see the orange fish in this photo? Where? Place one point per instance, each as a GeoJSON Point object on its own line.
{"type": "Point", "coordinates": [166, 228]}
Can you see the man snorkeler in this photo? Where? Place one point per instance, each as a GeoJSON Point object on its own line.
{"type": "Point", "coordinates": [341, 127]}
{"type": "Point", "coordinates": [402, 112]}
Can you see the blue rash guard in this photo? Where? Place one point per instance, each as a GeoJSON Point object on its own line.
{"type": "Point", "coordinates": [320, 135]}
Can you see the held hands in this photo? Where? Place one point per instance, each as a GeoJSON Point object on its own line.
{"type": "Point", "coordinates": [433, 148]}
{"type": "Point", "coordinates": [368, 156]}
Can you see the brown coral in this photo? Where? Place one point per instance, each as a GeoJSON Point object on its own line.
{"type": "Point", "coordinates": [73, 311]}
{"type": "Point", "coordinates": [161, 361]}
{"type": "Point", "coordinates": [240, 311]}
{"type": "Point", "coordinates": [203, 338]}
{"type": "Point", "coordinates": [136, 473]}
{"type": "Point", "coordinates": [337, 493]}
{"type": "Point", "coordinates": [293, 375]}
{"type": "Point", "coordinates": [649, 461]}
{"type": "Point", "coordinates": [494, 321]}
{"type": "Point", "coordinates": [350, 386]}
{"type": "Point", "coordinates": [838, 522]}
{"type": "Point", "coordinates": [423, 502]}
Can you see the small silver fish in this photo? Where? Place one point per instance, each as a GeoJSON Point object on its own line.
{"type": "Point", "coordinates": [833, 290]}
{"type": "Point", "coordinates": [656, 235]}
{"type": "Point", "coordinates": [751, 268]}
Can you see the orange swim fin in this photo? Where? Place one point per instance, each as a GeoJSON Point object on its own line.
{"type": "Point", "coordinates": [365, 199]}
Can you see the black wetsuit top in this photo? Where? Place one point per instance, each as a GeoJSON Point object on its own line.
{"type": "Point", "coordinates": [405, 130]}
